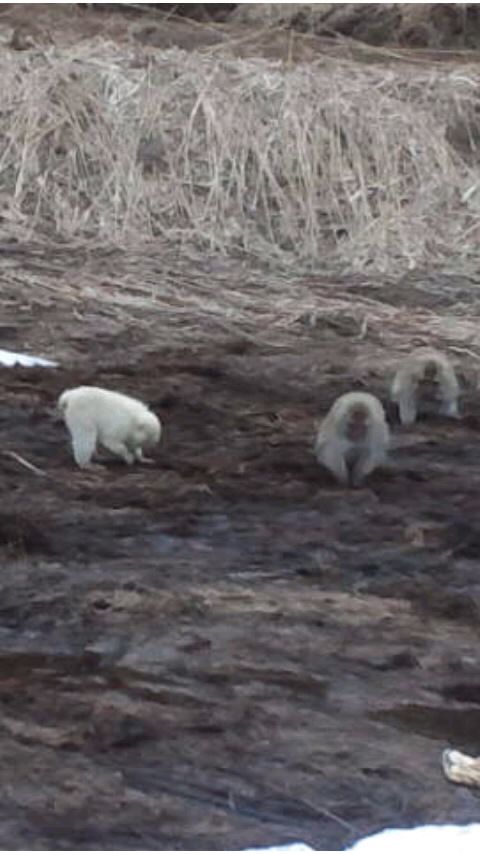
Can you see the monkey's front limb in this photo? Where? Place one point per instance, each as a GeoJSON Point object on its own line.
{"type": "Point", "coordinates": [449, 408]}
{"type": "Point", "coordinates": [141, 459]}
{"type": "Point", "coordinates": [365, 464]}
{"type": "Point", "coordinates": [407, 406]}
{"type": "Point", "coordinates": [332, 455]}
{"type": "Point", "coordinates": [119, 449]}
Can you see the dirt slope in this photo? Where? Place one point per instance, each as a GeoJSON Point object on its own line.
{"type": "Point", "coordinates": [227, 649]}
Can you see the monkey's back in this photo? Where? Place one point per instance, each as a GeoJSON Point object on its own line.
{"type": "Point", "coordinates": [111, 412]}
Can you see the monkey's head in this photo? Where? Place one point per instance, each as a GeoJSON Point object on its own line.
{"type": "Point", "coordinates": [430, 372]}
{"type": "Point", "coordinates": [429, 381]}
{"type": "Point", "coordinates": [62, 403]}
{"type": "Point", "coordinates": [357, 421]}
{"type": "Point", "coordinates": [151, 429]}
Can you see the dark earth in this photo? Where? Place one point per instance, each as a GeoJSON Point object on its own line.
{"type": "Point", "coordinates": [226, 649]}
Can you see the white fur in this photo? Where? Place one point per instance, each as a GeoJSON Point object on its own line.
{"type": "Point", "coordinates": [338, 453]}
{"type": "Point", "coordinates": [96, 416]}
{"type": "Point", "coordinates": [406, 389]}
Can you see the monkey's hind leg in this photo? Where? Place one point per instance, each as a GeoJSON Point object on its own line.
{"type": "Point", "coordinates": [84, 442]}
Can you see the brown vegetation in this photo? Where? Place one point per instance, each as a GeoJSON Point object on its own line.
{"type": "Point", "coordinates": [336, 162]}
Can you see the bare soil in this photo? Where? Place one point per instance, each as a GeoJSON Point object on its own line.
{"type": "Point", "coordinates": [226, 649]}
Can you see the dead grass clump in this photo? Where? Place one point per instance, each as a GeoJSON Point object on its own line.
{"type": "Point", "coordinates": [333, 163]}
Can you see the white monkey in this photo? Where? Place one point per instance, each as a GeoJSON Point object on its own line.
{"type": "Point", "coordinates": [353, 438]}
{"type": "Point", "coordinates": [120, 423]}
{"type": "Point", "coordinates": [425, 375]}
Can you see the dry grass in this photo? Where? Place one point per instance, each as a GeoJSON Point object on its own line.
{"type": "Point", "coordinates": [185, 298]}
{"type": "Point", "coordinates": [333, 165]}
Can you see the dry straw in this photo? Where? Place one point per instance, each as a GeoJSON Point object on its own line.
{"type": "Point", "coordinates": [331, 165]}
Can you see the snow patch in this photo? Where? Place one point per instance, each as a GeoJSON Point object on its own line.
{"type": "Point", "coordinates": [442, 839]}
{"type": "Point", "coordinates": [9, 359]}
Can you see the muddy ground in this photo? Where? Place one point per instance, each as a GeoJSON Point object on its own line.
{"type": "Point", "coordinates": [226, 649]}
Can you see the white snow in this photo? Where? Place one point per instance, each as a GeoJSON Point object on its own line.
{"type": "Point", "coordinates": [442, 839]}
{"type": "Point", "coordinates": [10, 359]}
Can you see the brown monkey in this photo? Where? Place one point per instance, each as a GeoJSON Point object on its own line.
{"type": "Point", "coordinates": [425, 376]}
{"type": "Point", "coordinates": [353, 438]}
